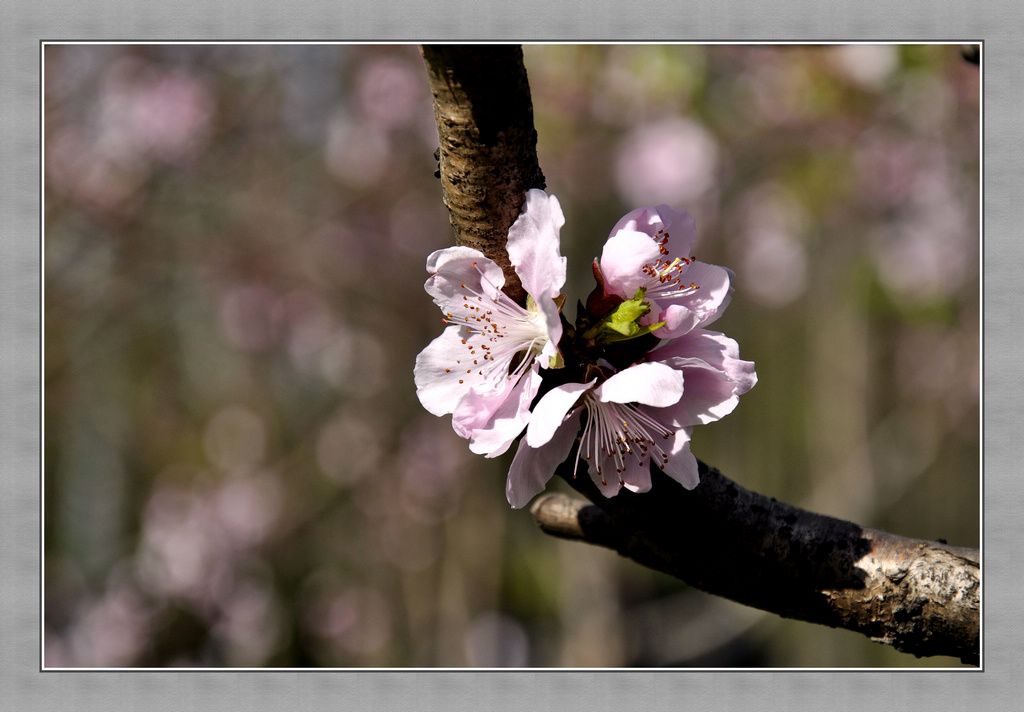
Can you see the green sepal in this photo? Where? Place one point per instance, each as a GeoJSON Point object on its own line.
{"type": "Point", "coordinates": [637, 333]}
{"type": "Point", "coordinates": [621, 324]}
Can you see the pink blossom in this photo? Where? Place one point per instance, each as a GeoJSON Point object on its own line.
{"type": "Point", "coordinates": [485, 367]}
{"type": "Point", "coordinates": [641, 414]}
{"type": "Point", "coordinates": [650, 248]}
{"type": "Point", "coordinates": [640, 370]}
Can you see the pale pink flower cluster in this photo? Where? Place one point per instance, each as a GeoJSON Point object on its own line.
{"type": "Point", "coordinates": [496, 356]}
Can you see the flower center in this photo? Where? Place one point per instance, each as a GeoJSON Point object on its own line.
{"type": "Point", "coordinates": [495, 330]}
{"type": "Point", "coordinates": [617, 431]}
{"type": "Point", "coordinates": [665, 276]}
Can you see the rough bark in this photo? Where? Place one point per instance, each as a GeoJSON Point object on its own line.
{"type": "Point", "coordinates": [488, 144]}
{"type": "Point", "coordinates": [920, 597]}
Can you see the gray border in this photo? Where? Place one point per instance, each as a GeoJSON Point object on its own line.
{"type": "Point", "coordinates": [22, 686]}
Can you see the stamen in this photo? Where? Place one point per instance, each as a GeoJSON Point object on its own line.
{"type": "Point", "coordinates": [614, 432]}
{"type": "Point", "coordinates": [663, 277]}
{"type": "Point", "coordinates": [503, 329]}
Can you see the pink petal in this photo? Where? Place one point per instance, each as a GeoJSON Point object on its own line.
{"type": "Point", "coordinates": [682, 465]}
{"type": "Point", "coordinates": [712, 347]}
{"type": "Point", "coordinates": [533, 467]}
{"type": "Point", "coordinates": [533, 246]}
{"type": "Point", "coordinates": [652, 384]}
{"type": "Point", "coordinates": [680, 226]}
{"type": "Point", "coordinates": [550, 412]}
{"type": "Point", "coordinates": [713, 314]}
{"type": "Point", "coordinates": [623, 259]}
{"type": "Point", "coordinates": [608, 483]}
{"type": "Point", "coordinates": [493, 423]}
{"type": "Point", "coordinates": [699, 307]}
{"type": "Point", "coordinates": [679, 320]}
{"type": "Point", "coordinates": [636, 476]}
{"type": "Point", "coordinates": [710, 396]}
{"type": "Point", "coordinates": [714, 377]}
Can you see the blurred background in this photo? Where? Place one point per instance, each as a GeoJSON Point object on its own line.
{"type": "Point", "coordinates": [237, 470]}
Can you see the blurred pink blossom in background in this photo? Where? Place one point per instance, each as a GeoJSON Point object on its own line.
{"type": "Point", "coordinates": [671, 161]}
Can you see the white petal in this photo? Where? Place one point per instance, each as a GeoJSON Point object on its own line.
{"type": "Point", "coordinates": [533, 246]}
{"type": "Point", "coordinates": [444, 259]}
{"type": "Point", "coordinates": [622, 261]}
{"type": "Point", "coordinates": [554, 326]}
{"type": "Point", "coordinates": [458, 271]}
{"type": "Point", "coordinates": [652, 384]}
{"type": "Point", "coordinates": [551, 410]}
{"type": "Point", "coordinates": [440, 380]}
{"type": "Point", "coordinates": [533, 467]}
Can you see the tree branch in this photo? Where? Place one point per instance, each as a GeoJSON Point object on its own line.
{"type": "Point", "coordinates": [488, 154]}
{"type": "Point", "coordinates": [920, 597]}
